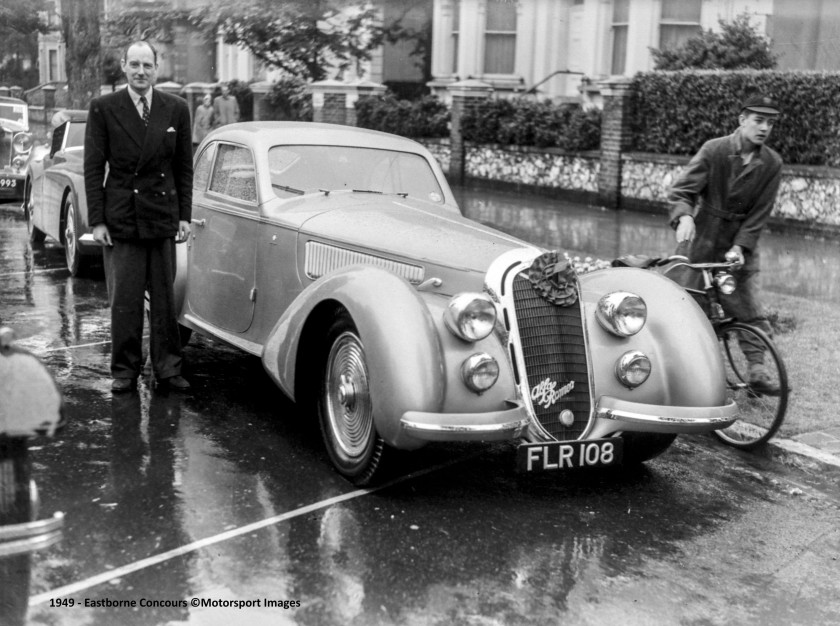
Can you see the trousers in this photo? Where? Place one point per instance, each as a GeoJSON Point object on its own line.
{"type": "Point", "coordinates": [133, 267]}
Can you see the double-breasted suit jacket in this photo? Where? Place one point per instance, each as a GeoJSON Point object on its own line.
{"type": "Point", "coordinates": [730, 202]}
{"type": "Point", "coordinates": [147, 188]}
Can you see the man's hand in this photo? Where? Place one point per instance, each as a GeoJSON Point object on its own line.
{"type": "Point", "coordinates": [101, 235]}
{"type": "Point", "coordinates": [735, 255]}
{"type": "Point", "coordinates": [685, 229]}
{"type": "Point", "coordinates": [183, 231]}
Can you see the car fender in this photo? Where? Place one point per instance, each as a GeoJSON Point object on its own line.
{"type": "Point", "coordinates": [687, 366]}
{"type": "Point", "coordinates": [402, 346]}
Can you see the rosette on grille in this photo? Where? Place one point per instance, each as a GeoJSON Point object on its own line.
{"type": "Point", "coordinates": [554, 279]}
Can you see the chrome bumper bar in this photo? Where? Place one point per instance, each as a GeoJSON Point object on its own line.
{"type": "Point", "coordinates": [637, 417]}
{"type": "Point", "coordinates": [492, 426]}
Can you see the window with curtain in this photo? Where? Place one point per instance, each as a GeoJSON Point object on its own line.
{"type": "Point", "coordinates": [500, 37]}
{"type": "Point", "coordinates": [620, 26]}
{"type": "Point", "coordinates": [679, 22]}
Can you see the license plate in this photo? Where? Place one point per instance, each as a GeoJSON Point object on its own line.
{"type": "Point", "coordinates": [8, 183]}
{"type": "Point", "coordinates": [562, 455]}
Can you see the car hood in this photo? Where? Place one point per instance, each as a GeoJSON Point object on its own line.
{"type": "Point", "coordinates": [409, 229]}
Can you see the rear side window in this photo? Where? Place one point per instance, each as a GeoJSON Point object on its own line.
{"type": "Point", "coordinates": [234, 174]}
{"type": "Point", "coordinates": [201, 172]}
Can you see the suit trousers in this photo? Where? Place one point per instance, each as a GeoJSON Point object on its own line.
{"type": "Point", "coordinates": [133, 266]}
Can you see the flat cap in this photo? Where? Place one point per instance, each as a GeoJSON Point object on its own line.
{"type": "Point", "coordinates": [761, 104]}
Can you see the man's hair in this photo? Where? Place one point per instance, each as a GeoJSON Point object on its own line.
{"type": "Point", "coordinates": [140, 42]}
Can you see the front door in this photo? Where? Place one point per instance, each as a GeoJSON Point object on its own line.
{"type": "Point", "coordinates": [220, 285]}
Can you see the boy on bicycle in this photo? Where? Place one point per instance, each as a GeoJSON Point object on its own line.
{"type": "Point", "coordinates": [721, 203]}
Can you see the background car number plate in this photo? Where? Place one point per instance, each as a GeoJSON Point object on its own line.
{"type": "Point", "coordinates": [8, 183]}
{"type": "Point", "coordinates": [560, 455]}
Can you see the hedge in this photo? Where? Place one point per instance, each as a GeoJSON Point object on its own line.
{"type": "Point", "coordinates": [426, 117]}
{"type": "Point", "coordinates": [525, 122]}
{"type": "Point", "coordinates": [676, 112]}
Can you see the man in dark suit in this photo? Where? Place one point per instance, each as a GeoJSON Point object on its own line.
{"type": "Point", "coordinates": [138, 178]}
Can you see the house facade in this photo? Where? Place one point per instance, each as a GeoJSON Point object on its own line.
{"type": "Point", "coordinates": [557, 48]}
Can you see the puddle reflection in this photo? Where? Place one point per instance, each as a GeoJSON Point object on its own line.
{"type": "Point", "coordinates": [791, 264]}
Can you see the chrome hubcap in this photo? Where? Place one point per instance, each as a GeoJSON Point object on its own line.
{"type": "Point", "coordinates": [348, 407]}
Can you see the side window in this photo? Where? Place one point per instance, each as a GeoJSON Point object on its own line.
{"type": "Point", "coordinates": [234, 173]}
{"type": "Point", "coordinates": [201, 172]}
{"type": "Point", "coordinates": [58, 138]}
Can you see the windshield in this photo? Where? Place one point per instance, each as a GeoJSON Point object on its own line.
{"type": "Point", "coordinates": [304, 169]}
{"type": "Point", "coordinates": [76, 135]}
{"type": "Point", "coordinates": [14, 112]}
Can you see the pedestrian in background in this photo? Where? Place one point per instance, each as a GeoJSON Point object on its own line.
{"type": "Point", "coordinates": [202, 120]}
{"type": "Point", "coordinates": [225, 108]}
{"type": "Point", "coordinates": [138, 212]}
{"type": "Point", "coordinates": [720, 205]}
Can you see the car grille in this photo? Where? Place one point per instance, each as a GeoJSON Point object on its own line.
{"type": "Point", "coordinates": [553, 349]}
{"type": "Point", "coordinates": [5, 148]}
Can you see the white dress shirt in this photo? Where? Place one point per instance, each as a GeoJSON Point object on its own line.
{"type": "Point", "coordinates": [135, 98]}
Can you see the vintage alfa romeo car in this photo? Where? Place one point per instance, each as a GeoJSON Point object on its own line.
{"type": "Point", "coordinates": [340, 257]}
{"type": "Point", "coordinates": [15, 145]}
{"type": "Point", "coordinates": [55, 202]}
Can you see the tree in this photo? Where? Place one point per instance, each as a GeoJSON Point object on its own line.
{"type": "Point", "coordinates": [83, 64]}
{"type": "Point", "coordinates": [302, 37]}
{"type": "Point", "coordinates": [738, 45]}
{"type": "Point", "coordinates": [20, 24]}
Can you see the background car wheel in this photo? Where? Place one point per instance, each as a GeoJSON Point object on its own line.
{"type": "Point", "coordinates": [345, 408]}
{"type": "Point", "coordinates": [76, 263]}
{"type": "Point", "coordinates": [641, 447]}
{"type": "Point", "coordinates": [36, 235]}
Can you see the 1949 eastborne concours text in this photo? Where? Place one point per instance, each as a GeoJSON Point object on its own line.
{"type": "Point", "coordinates": [201, 603]}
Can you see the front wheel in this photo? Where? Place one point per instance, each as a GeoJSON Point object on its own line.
{"type": "Point", "coordinates": [76, 263]}
{"type": "Point", "coordinates": [36, 235]}
{"type": "Point", "coordinates": [641, 447]}
{"type": "Point", "coordinates": [761, 403]}
{"type": "Point", "coordinates": [345, 407]}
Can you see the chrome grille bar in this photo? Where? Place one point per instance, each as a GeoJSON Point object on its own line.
{"type": "Point", "coordinates": [322, 259]}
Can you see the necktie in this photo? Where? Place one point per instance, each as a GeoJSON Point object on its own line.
{"type": "Point", "coordinates": [145, 110]}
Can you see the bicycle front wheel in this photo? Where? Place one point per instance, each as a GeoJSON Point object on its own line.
{"type": "Point", "coordinates": [761, 405]}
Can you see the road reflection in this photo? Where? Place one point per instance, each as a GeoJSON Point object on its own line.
{"type": "Point", "coordinates": [791, 264]}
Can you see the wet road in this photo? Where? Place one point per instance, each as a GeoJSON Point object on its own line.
{"type": "Point", "coordinates": [225, 494]}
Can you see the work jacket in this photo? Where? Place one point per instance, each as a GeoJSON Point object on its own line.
{"type": "Point", "coordinates": [730, 202]}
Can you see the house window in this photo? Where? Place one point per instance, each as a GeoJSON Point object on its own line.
{"type": "Point", "coordinates": [52, 64]}
{"type": "Point", "coordinates": [620, 26]}
{"type": "Point", "coordinates": [679, 22]}
{"type": "Point", "coordinates": [456, 31]}
{"type": "Point", "coordinates": [500, 37]}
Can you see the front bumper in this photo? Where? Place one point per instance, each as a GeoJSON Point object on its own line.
{"type": "Point", "coordinates": [619, 415]}
{"type": "Point", "coordinates": [501, 425]}
{"type": "Point", "coordinates": [11, 186]}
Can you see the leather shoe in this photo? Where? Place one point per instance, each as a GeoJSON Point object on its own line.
{"type": "Point", "coordinates": [175, 382]}
{"type": "Point", "coordinates": [123, 384]}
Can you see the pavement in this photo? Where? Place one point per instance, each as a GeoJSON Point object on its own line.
{"type": "Point", "coordinates": [822, 446]}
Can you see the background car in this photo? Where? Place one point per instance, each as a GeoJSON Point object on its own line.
{"type": "Point", "coordinates": [15, 145]}
{"type": "Point", "coordinates": [339, 257]}
{"type": "Point", "coordinates": [55, 202]}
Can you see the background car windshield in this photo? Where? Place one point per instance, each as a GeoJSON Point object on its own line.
{"type": "Point", "coordinates": [76, 136]}
{"type": "Point", "coordinates": [13, 112]}
{"type": "Point", "coordinates": [311, 168]}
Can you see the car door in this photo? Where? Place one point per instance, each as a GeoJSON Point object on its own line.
{"type": "Point", "coordinates": [222, 254]}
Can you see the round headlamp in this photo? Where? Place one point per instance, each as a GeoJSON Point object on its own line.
{"type": "Point", "coordinates": [470, 316]}
{"type": "Point", "coordinates": [726, 283]}
{"type": "Point", "coordinates": [22, 142]}
{"type": "Point", "coordinates": [480, 372]}
{"type": "Point", "coordinates": [632, 369]}
{"type": "Point", "coordinates": [622, 314]}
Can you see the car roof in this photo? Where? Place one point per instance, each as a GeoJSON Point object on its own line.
{"type": "Point", "coordinates": [72, 115]}
{"type": "Point", "coordinates": [267, 134]}
{"type": "Point", "coordinates": [7, 100]}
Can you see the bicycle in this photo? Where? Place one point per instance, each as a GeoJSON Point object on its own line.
{"type": "Point", "coordinates": [762, 404]}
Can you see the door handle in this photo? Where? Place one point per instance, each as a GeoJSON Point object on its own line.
{"type": "Point", "coordinates": [198, 222]}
